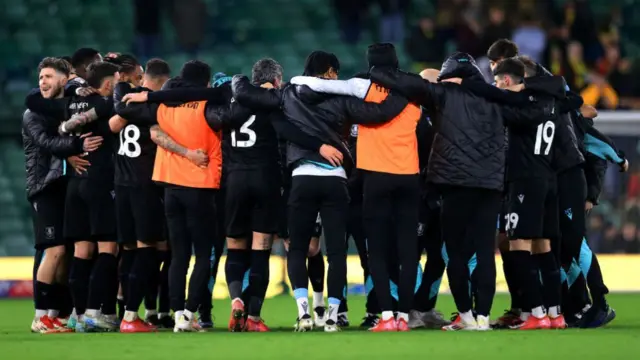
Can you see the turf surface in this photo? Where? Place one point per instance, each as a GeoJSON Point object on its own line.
{"type": "Point", "coordinates": [619, 340]}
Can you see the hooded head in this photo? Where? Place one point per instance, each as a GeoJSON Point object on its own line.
{"type": "Point", "coordinates": [460, 65]}
{"type": "Point", "coordinates": [382, 55]}
{"type": "Point", "coordinates": [219, 79]}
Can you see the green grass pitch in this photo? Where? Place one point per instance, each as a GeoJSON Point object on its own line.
{"type": "Point", "coordinates": [619, 340]}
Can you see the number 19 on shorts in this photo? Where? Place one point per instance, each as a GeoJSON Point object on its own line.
{"type": "Point", "coordinates": [511, 221]}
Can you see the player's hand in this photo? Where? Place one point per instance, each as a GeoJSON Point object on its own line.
{"type": "Point", "coordinates": [91, 143]}
{"type": "Point", "coordinates": [331, 154]}
{"type": "Point", "coordinates": [198, 157]}
{"type": "Point", "coordinates": [135, 97]}
{"type": "Point", "coordinates": [624, 166]}
{"type": "Point", "coordinates": [588, 206]}
{"type": "Point", "coordinates": [588, 111]}
{"type": "Point", "coordinates": [79, 164]}
{"type": "Point", "coordinates": [85, 91]}
{"type": "Point", "coordinates": [267, 85]}
{"type": "Point", "coordinates": [431, 75]}
{"type": "Point", "coordinates": [453, 80]}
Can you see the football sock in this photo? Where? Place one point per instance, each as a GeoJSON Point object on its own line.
{"type": "Point", "coordinates": [259, 280]}
{"type": "Point", "coordinates": [140, 276]}
{"type": "Point", "coordinates": [79, 283]}
{"type": "Point", "coordinates": [235, 267]}
{"type": "Point", "coordinates": [550, 273]}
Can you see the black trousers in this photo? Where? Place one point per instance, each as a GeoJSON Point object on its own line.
{"type": "Point", "coordinates": [216, 254]}
{"type": "Point", "coordinates": [356, 230]}
{"type": "Point", "coordinates": [329, 196]}
{"type": "Point", "coordinates": [429, 240]}
{"type": "Point", "coordinates": [572, 195]}
{"type": "Point", "coordinates": [390, 206]}
{"type": "Point", "coordinates": [468, 219]}
{"type": "Point", "coordinates": [191, 220]}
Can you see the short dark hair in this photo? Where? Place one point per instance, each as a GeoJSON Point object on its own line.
{"type": "Point", "coordinates": [57, 64]}
{"type": "Point", "coordinates": [128, 63]}
{"type": "Point", "coordinates": [66, 58]}
{"type": "Point", "coordinates": [83, 56]}
{"type": "Point", "coordinates": [98, 71]}
{"type": "Point", "coordinates": [196, 72]}
{"type": "Point", "coordinates": [502, 49]}
{"type": "Point", "coordinates": [157, 67]}
{"type": "Point", "coordinates": [266, 71]}
{"type": "Point", "coordinates": [319, 62]}
{"type": "Point", "coordinates": [530, 66]}
{"type": "Point", "coordinates": [512, 67]}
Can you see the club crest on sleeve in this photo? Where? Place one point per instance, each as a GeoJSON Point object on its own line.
{"type": "Point", "coordinates": [354, 130]}
{"type": "Point", "coordinates": [49, 232]}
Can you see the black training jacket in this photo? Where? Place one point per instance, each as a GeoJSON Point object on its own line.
{"type": "Point", "coordinates": [570, 150]}
{"type": "Point", "coordinates": [323, 116]}
{"type": "Point", "coordinates": [45, 151]}
{"type": "Point", "coordinates": [469, 147]}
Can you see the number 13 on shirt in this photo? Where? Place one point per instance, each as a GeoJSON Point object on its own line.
{"type": "Point", "coordinates": [244, 129]}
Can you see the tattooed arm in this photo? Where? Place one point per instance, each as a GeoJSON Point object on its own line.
{"type": "Point", "coordinates": [103, 108]}
{"type": "Point", "coordinates": [162, 139]}
{"type": "Point", "coordinates": [77, 121]}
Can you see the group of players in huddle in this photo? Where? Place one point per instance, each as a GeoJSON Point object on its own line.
{"type": "Point", "coordinates": [131, 172]}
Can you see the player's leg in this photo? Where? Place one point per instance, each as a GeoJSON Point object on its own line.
{"type": "Point", "coordinates": [600, 313]}
{"type": "Point", "coordinates": [238, 230]}
{"type": "Point", "coordinates": [481, 232]}
{"type": "Point", "coordinates": [126, 240]}
{"type": "Point", "coordinates": [334, 211]}
{"type": "Point", "coordinates": [181, 249]}
{"type": "Point", "coordinates": [205, 319]}
{"type": "Point", "coordinates": [264, 222]}
{"type": "Point", "coordinates": [525, 223]}
{"type": "Point", "coordinates": [77, 229]}
{"type": "Point", "coordinates": [511, 316]}
{"type": "Point", "coordinates": [258, 280]}
{"type": "Point", "coordinates": [315, 266]}
{"type": "Point", "coordinates": [48, 222]}
{"type": "Point", "coordinates": [406, 207]}
{"type": "Point", "coordinates": [37, 257]}
{"type": "Point", "coordinates": [199, 206]}
{"type": "Point", "coordinates": [356, 230]}
{"type": "Point", "coordinates": [376, 216]}
{"type": "Point", "coordinates": [571, 195]}
{"type": "Point", "coordinates": [455, 211]}
{"type": "Point", "coordinates": [151, 298]}
{"type": "Point", "coordinates": [64, 301]}
{"type": "Point", "coordinates": [303, 211]}
{"type": "Point", "coordinates": [164, 303]}
{"type": "Point", "coordinates": [424, 313]}
{"type": "Point", "coordinates": [103, 287]}
{"type": "Point", "coordinates": [149, 229]}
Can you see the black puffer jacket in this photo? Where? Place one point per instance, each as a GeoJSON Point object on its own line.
{"type": "Point", "coordinates": [45, 151]}
{"type": "Point", "coordinates": [323, 116]}
{"type": "Point", "coordinates": [469, 146]}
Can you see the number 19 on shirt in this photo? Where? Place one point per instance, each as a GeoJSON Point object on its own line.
{"type": "Point", "coordinates": [545, 134]}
